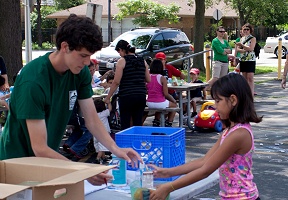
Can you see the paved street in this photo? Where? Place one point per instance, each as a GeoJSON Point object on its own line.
{"type": "Point", "coordinates": [271, 154]}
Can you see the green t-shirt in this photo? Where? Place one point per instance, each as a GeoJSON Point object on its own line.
{"type": "Point", "coordinates": [238, 53]}
{"type": "Point", "coordinates": [218, 49]}
{"type": "Point", "coordinates": [41, 93]}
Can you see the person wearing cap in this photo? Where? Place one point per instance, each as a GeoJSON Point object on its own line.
{"type": "Point", "coordinates": [221, 49]}
{"type": "Point", "coordinates": [197, 94]}
{"type": "Point", "coordinates": [169, 71]}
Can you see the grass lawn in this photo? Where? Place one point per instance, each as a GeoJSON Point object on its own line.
{"type": "Point", "coordinates": [259, 70]}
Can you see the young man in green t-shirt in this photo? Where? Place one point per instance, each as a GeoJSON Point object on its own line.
{"type": "Point", "coordinates": [45, 93]}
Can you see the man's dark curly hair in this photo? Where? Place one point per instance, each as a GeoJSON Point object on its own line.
{"type": "Point", "coordinates": [79, 32]}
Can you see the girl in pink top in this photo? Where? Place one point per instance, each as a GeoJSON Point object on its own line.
{"type": "Point", "coordinates": [231, 154]}
{"type": "Point", "coordinates": [158, 96]}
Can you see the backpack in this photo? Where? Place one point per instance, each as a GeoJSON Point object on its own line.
{"type": "Point", "coordinates": [257, 47]}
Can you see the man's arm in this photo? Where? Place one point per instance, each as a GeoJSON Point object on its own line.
{"type": "Point", "coordinates": [38, 138]}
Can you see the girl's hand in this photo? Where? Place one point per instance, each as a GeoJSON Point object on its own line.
{"type": "Point", "coordinates": [161, 192]}
{"type": "Point", "coordinates": [159, 172]}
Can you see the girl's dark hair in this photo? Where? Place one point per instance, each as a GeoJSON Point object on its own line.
{"type": "Point", "coordinates": [124, 45]}
{"type": "Point", "coordinates": [156, 67]}
{"type": "Point", "coordinates": [99, 105]}
{"type": "Point", "coordinates": [79, 32]}
{"type": "Point", "coordinates": [110, 76]}
{"type": "Point", "coordinates": [243, 111]}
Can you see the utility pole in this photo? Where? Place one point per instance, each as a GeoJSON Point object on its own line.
{"type": "Point", "coordinates": [109, 22]}
{"type": "Point", "coordinates": [28, 39]}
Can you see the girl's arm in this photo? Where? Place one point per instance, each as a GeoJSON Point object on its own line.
{"type": "Point", "coordinates": [239, 141]}
{"type": "Point", "coordinates": [187, 167]}
{"type": "Point", "coordinates": [147, 73]}
{"type": "Point", "coordinates": [165, 90]}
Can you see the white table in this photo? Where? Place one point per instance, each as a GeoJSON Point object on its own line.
{"type": "Point", "coordinates": [181, 194]}
{"type": "Point", "coordinates": [179, 89]}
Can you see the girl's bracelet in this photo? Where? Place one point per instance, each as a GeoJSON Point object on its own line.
{"type": "Point", "coordinates": [173, 189]}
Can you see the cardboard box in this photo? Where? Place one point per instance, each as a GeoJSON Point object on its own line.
{"type": "Point", "coordinates": [43, 178]}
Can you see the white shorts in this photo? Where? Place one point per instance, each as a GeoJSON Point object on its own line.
{"type": "Point", "coordinates": [164, 104]}
{"type": "Point", "coordinates": [220, 69]}
{"type": "Point", "coordinates": [98, 146]}
{"type": "Point", "coordinates": [196, 99]}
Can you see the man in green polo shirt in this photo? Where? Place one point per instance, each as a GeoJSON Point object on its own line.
{"type": "Point", "coordinates": [45, 92]}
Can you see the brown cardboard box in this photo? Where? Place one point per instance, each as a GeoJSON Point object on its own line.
{"type": "Point", "coordinates": [46, 177]}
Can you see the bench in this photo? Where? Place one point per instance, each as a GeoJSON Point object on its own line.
{"type": "Point", "coordinates": [163, 112]}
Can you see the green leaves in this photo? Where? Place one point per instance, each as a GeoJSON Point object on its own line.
{"type": "Point", "coordinates": [147, 12]}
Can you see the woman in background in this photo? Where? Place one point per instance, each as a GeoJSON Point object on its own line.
{"type": "Point", "coordinates": [131, 75]}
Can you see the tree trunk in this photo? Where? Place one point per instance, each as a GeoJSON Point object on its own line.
{"type": "Point", "coordinates": [198, 61]}
{"type": "Point", "coordinates": [39, 23]}
{"type": "Point", "coordinates": [10, 36]}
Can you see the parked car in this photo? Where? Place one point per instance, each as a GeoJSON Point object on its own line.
{"type": "Point", "coordinates": [148, 41]}
{"type": "Point", "coordinates": [271, 45]}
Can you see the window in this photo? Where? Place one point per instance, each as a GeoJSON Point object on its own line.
{"type": "Point", "coordinates": [175, 38]}
{"type": "Point", "coordinates": [158, 40]}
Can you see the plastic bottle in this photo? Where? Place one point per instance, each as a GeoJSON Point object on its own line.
{"type": "Point", "coordinates": [119, 172]}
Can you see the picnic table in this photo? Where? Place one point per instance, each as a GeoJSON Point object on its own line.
{"type": "Point", "coordinates": [186, 87]}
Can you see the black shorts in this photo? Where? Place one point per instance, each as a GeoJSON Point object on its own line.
{"type": "Point", "coordinates": [247, 66]}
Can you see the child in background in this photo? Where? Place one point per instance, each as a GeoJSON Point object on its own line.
{"type": "Point", "coordinates": [158, 96]}
{"type": "Point", "coordinates": [199, 93]}
{"type": "Point", "coordinates": [231, 154]}
{"type": "Point", "coordinates": [97, 81]}
{"type": "Point", "coordinates": [109, 81]}
{"type": "Point", "coordinates": [103, 114]}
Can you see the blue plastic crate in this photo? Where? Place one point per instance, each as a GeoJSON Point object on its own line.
{"type": "Point", "coordinates": [162, 146]}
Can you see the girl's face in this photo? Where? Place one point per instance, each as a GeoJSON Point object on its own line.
{"type": "Point", "coordinates": [224, 106]}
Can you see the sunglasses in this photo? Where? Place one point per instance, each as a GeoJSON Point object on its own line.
{"type": "Point", "coordinates": [221, 31]}
{"type": "Point", "coordinates": [246, 29]}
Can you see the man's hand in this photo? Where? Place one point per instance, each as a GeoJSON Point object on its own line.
{"type": "Point", "coordinates": [100, 179]}
{"type": "Point", "coordinates": [129, 155]}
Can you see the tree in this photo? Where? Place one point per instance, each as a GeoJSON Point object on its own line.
{"type": "Point", "coordinates": [10, 36]}
{"type": "Point", "coordinates": [64, 4]}
{"type": "Point", "coordinates": [39, 20]}
{"type": "Point", "coordinates": [199, 21]}
{"type": "Point", "coordinates": [264, 12]}
{"type": "Point", "coordinates": [148, 13]}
